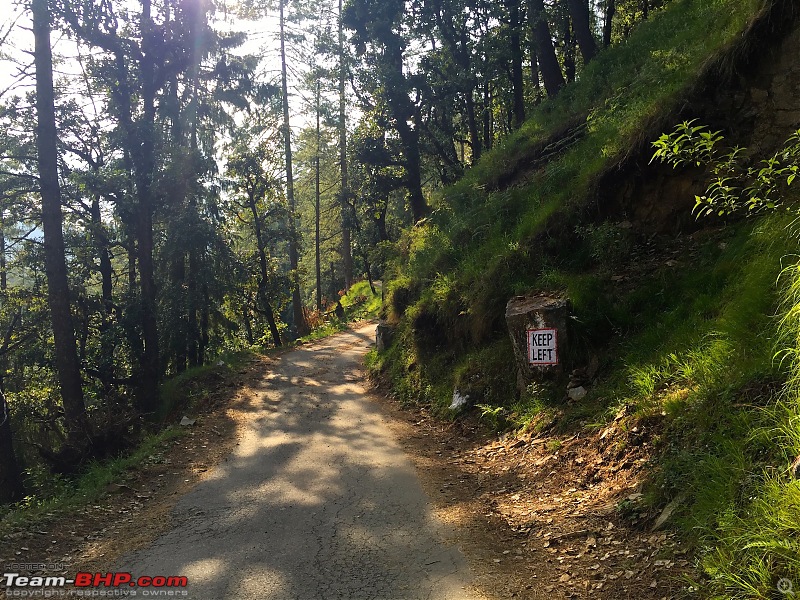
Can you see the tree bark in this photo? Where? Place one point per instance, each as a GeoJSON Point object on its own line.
{"type": "Point", "coordinates": [3, 268]}
{"type": "Point", "coordinates": [106, 366]}
{"type": "Point", "coordinates": [517, 81]}
{"type": "Point", "coordinates": [548, 62]}
{"type": "Point", "coordinates": [262, 261]}
{"type": "Point", "coordinates": [579, 11]}
{"type": "Point", "coordinates": [147, 393]}
{"type": "Point", "coordinates": [66, 357]}
{"type": "Point", "coordinates": [487, 116]}
{"type": "Point", "coordinates": [569, 52]}
{"type": "Point", "coordinates": [192, 329]}
{"type": "Point", "coordinates": [297, 305]}
{"type": "Point", "coordinates": [535, 83]}
{"type": "Point", "coordinates": [11, 489]}
{"type": "Point", "coordinates": [205, 323]}
{"type": "Point", "coordinates": [10, 473]}
{"type": "Point", "coordinates": [344, 194]}
{"type": "Point", "coordinates": [318, 268]}
{"type": "Point", "coordinates": [611, 8]}
{"type": "Point", "coordinates": [403, 111]}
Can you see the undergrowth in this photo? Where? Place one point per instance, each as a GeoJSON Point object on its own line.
{"type": "Point", "coordinates": [54, 494]}
{"type": "Point", "coordinates": [358, 304]}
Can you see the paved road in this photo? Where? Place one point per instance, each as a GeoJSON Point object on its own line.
{"type": "Point", "coordinates": [318, 502]}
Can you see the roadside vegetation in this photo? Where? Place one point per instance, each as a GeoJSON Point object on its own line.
{"type": "Point", "coordinates": [694, 336]}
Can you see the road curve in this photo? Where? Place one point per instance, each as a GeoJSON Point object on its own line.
{"type": "Point", "coordinates": [317, 502]}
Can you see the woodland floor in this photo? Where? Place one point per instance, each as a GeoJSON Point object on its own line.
{"type": "Point", "coordinates": [535, 517]}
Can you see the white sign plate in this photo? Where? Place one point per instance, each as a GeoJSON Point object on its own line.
{"type": "Point", "coordinates": [543, 347]}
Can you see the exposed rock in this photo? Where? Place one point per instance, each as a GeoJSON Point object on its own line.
{"type": "Point", "coordinates": [459, 400]}
{"type": "Point", "coordinates": [383, 336]}
{"type": "Point", "coordinates": [576, 393]}
{"type": "Point", "coordinates": [669, 509]}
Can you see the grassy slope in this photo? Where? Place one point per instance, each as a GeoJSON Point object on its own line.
{"type": "Point", "coordinates": [690, 345]}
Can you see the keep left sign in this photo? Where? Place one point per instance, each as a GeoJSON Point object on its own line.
{"type": "Point", "coordinates": [543, 347]}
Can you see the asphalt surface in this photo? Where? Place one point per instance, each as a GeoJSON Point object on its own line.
{"type": "Point", "coordinates": [317, 502]}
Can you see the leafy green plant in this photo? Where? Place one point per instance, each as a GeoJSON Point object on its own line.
{"type": "Point", "coordinates": [492, 415]}
{"type": "Point", "coordinates": [735, 186]}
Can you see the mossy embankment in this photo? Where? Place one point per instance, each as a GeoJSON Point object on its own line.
{"type": "Point", "coordinates": [680, 330]}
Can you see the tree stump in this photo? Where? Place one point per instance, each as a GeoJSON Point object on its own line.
{"type": "Point", "coordinates": [537, 324]}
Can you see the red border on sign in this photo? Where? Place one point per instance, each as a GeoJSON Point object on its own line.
{"type": "Point", "coordinates": [555, 347]}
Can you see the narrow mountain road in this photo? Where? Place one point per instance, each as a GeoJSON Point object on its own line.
{"type": "Point", "coordinates": [317, 502]}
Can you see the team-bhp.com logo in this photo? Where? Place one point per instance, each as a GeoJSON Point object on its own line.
{"type": "Point", "coordinates": [156, 585]}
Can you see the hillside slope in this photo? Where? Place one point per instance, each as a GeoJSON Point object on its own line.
{"type": "Point", "coordinates": [673, 324]}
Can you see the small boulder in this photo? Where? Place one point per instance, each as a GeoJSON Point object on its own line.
{"type": "Point", "coordinates": [576, 393]}
{"type": "Point", "coordinates": [459, 400]}
{"type": "Point", "coordinates": [383, 336]}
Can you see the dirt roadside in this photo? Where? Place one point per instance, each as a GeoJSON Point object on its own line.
{"type": "Point", "coordinates": [545, 517]}
{"type": "Point", "coordinates": [536, 518]}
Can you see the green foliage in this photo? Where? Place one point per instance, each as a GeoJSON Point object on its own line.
{"type": "Point", "coordinates": [486, 236]}
{"type": "Point", "coordinates": [191, 388]}
{"type": "Point", "coordinates": [608, 243]}
{"type": "Point", "coordinates": [360, 303]}
{"type": "Point", "coordinates": [493, 416]}
{"type": "Point", "coordinates": [735, 186]}
{"type": "Point", "coordinates": [746, 509]}
{"type": "Point", "coordinates": [51, 494]}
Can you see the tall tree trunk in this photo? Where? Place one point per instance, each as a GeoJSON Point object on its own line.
{"type": "Point", "coordinates": [611, 8]}
{"type": "Point", "coordinates": [368, 273]}
{"type": "Point", "coordinates": [645, 9]}
{"type": "Point", "coordinates": [344, 194]}
{"type": "Point", "coordinates": [205, 322]}
{"type": "Point", "coordinates": [147, 393]}
{"type": "Point", "coordinates": [193, 331]}
{"type": "Point", "coordinates": [3, 268]}
{"type": "Point", "coordinates": [581, 26]}
{"type": "Point", "coordinates": [179, 326]}
{"type": "Point", "coordinates": [537, 86]}
{"type": "Point", "coordinates": [546, 53]}
{"type": "Point", "coordinates": [403, 111]}
{"type": "Point", "coordinates": [10, 473]}
{"type": "Point", "coordinates": [248, 326]}
{"type": "Point", "coordinates": [487, 116]}
{"type": "Point", "coordinates": [263, 264]}
{"type": "Point", "coordinates": [297, 305]}
{"type": "Point", "coordinates": [11, 488]}
{"type": "Point", "coordinates": [472, 124]}
{"type": "Point", "coordinates": [318, 268]}
{"type": "Point", "coordinates": [106, 366]}
{"type": "Point", "coordinates": [569, 52]}
{"type": "Point", "coordinates": [66, 357]}
{"type": "Point", "coordinates": [131, 251]}
{"type": "Point", "coordinates": [517, 81]}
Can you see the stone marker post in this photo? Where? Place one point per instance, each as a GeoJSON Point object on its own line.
{"type": "Point", "coordinates": [383, 336]}
{"type": "Point", "coordinates": [537, 324]}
